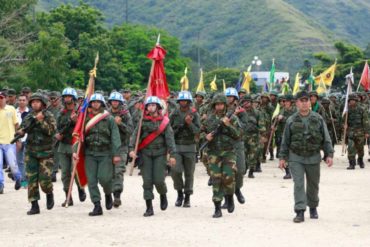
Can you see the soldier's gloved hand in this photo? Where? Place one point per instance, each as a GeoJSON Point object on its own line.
{"type": "Point", "coordinates": [282, 164]}
{"type": "Point", "coordinates": [116, 160]}
{"type": "Point", "coordinates": [132, 154]}
{"type": "Point", "coordinates": [172, 162]}
{"type": "Point", "coordinates": [188, 119]}
{"type": "Point", "coordinates": [329, 161]}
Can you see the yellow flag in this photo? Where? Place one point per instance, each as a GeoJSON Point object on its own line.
{"type": "Point", "coordinates": [247, 80]}
{"type": "Point", "coordinates": [213, 84]}
{"type": "Point", "coordinates": [223, 81]}
{"type": "Point", "coordinates": [321, 88]}
{"type": "Point", "coordinates": [276, 112]}
{"type": "Point", "coordinates": [296, 84]}
{"type": "Point", "coordinates": [200, 87]}
{"type": "Point", "coordinates": [185, 81]}
{"type": "Point", "coordinates": [327, 76]}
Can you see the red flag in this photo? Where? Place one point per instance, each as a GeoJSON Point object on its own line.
{"type": "Point", "coordinates": [365, 77]}
{"type": "Point", "coordinates": [78, 131]}
{"type": "Point", "coordinates": [157, 82]}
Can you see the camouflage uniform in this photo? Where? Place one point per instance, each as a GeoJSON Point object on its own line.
{"type": "Point", "coordinates": [185, 139]}
{"type": "Point", "coordinates": [304, 156]}
{"type": "Point", "coordinates": [331, 119]}
{"type": "Point", "coordinates": [358, 127]}
{"type": "Point", "coordinates": [267, 110]}
{"type": "Point", "coordinates": [221, 155]}
{"type": "Point", "coordinates": [55, 110]}
{"type": "Point", "coordinates": [39, 154]}
{"type": "Point", "coordinates": [125, 130]}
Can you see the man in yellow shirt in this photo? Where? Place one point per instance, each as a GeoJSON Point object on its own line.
{"type": "Point", "coordinates": [8, 123]}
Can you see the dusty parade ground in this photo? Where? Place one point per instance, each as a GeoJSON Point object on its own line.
{"type": "Point", "coordinates": [264, 220]}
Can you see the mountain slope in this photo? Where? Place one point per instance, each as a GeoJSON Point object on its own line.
{"type": "Point", "coordinates": [288, 30]}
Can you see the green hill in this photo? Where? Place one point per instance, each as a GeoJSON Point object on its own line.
{"type": "Point", "coordinates": [287, 30]}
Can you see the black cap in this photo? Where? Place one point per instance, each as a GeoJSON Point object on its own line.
{"type": "Point", "coordinates": [302, 94]}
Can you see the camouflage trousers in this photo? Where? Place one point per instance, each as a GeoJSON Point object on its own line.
{"type": "Point", "coordinates": [222, 167]}
{"type": "Point", "coordinates": [356, 142]}
{"type": "Point", "coordinates": [38, 171]}
{"type": "Point", "coordinates": [240, 164]}
{"type": "Point", "coordinates": [119, 170]}
{"type": "Point", "coordinates": [252, 150]}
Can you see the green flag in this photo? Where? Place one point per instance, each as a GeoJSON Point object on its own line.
{"type": "Point", "coordinates": [272, 75]}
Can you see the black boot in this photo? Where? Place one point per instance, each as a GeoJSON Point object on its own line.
{"type": "Point", "coordinates": [108, 202]}
{"type": "Point", "coordinates": [239, 196]}
{"type": "Point", "coordinates": [352, 164]}
{"type": "Point", "coordinates": [230, 203]}
{"type": "Point", "coordinates": [70, 203]}
{"type": "Point", "coordinates": [97, 209]}
{"type": "Point", "coordinates": [117, 199]}
{"type": "Point", "coordinates": [164, 202]}
{"type": "Point", "coordinates": [149, 208]}
{"type": "Point", "coordinates": [224, 206]}
{"type": "Point", "coordinates": [258, 167]}
{"type": "Point", "coordinates": [210, 181]}
{"type": "Point", "coordinates": [218, 212]}
{"type": "Point", "coordinates": [35, 209]}
{"type": "Point", "coordinates": [299, 217]}
{"type": "Point", "coordinates": [54, 177]}
{"type": "Point", "coordinates": [81, 194]}
{"type": "Point", "coordinates": [187, 201]}
{"type": "Point", "coordinates": [287, 174]}
{"type": "Point", "coordinates": [272, 156]}
{"type": "Point", "coordinates": [313, 213]}
{"type": "Point", "coordinates": [180, 198]}
{"type": "Point", "coordinates": [250, 173]}
{"type": "Point", "coordinates": [360, 162]}
{"type": "Point", "coordinates": [49, 201]}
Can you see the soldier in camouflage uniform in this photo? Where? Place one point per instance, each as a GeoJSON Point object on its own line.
{"type": "Point", "coordinates": [199, 100]}
{"type": "Point", "coordinates": [331, 118]}
{"type": "Point", "coordinates": [234, 108]}
{"type": "Point", "coordinates": [156, 139]}
{"type": "Point", "coordinates": [66, 122]}
{"type": "Point", "coordinates": [253, 127]}
{"type": "Point", "coordinates": [316, 105]}
{"type": "Point", "coordinates": [123, 120]}
{"type": "Point", "coordinates": [304, 135]}
{"type": "Point", "coordinates": [358, 130]}
{"type": "Point", "coordinates": [336, 105]}
{"type": "Point", "coordinates": [102, 143]}
{"type": "Point", "coordinates": [267, 110]}
{"type": "Point", "coordinates": [39, 153]}
{"type": "Point", "coordinates": [283, 116]}
{"type": "Point", "coordinates": [221, 152]}
{"type": "Point", "coordinates": [55, 108]}
{"type": "Point", "coordinates": [185, 122]}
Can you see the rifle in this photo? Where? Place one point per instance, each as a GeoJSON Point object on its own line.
{"type": "Point", "coordinates": [27, 128]}
{"type": "Point", "coordinates": [215, 132]}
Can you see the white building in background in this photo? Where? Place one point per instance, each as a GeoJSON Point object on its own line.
{"type": "Point", "coordinates": [261, 77]}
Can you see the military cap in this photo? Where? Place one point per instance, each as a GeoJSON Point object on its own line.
{"type": "Point", "coordinates": [302, 94]}
{"type": "Point", "coordinates": [12, 92]}
{"type": "Point", "coordinates": [353, 96]}
{"type": "Point", "coordinates": [274, 92]}
{"type": "Point", "coordinates": [26, 89]}
{"type": "Point", "coordinates": [325, 100]}
{"type": "Point", "coordinates": [126, 90]}
{"type": "Point", "coordinates": [242, 90]}
{"type": "Point", "coordinates": [200, 93]}
{"type": "Point", "coordinates": [246, 97]}
{"type": "Point", "coordinates": [289, 97]}
{"type": "Point", "coordinates": [313, 93]}
{"type": "Point", "coordinates": [266, 95]}
{"type": "Point", "coordinates": [37, 96]}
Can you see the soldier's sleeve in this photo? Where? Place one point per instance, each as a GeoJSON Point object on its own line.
{"type": "Point", "coordinates": [175, 128]}
{"type": "Point", "coordinates": [115, 137]}
{"type": "Point", "coordinates": [234, 128]}
{"type": "Point", "coordinates": [261, 122]}
{"type": "Point", "coordinates": [48, 125]}
{"type": "Point", "coordinates": [285, 143]}
{"type": "Point", "coordinates": [170, 140]}
{"type": "Point", "coordinates": [131, 146]}
{"type": "Point", "coordinates": [327, 145]}
{"type": "Point", "coordinates": [243, 119]}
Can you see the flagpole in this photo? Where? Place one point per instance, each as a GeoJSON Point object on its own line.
{"type": "Point", "coordinates": [142, 116]}
{"type": "Point", "coordinates": [344, 134]}
{"type": "Point", "coordinates": [79, 147]}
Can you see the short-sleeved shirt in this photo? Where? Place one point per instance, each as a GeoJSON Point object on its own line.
{"type": "Point", "coordinates": [8, 120]}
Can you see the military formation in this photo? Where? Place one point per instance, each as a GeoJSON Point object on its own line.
{"type": "Point", "coordinates": [231, 133]}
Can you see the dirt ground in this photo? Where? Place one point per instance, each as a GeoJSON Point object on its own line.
{"type": "Point", "coordinates": [264, 220]}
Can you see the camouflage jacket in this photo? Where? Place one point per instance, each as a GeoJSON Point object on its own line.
{"type": "Point", "coordinates": [40, 137]}
{"type": "Point", "coordinates": [358, 120]}
{"type": "Point", "coordinates": [286, 113]}
{"type": "Point", "coordinates": [65, 125]}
